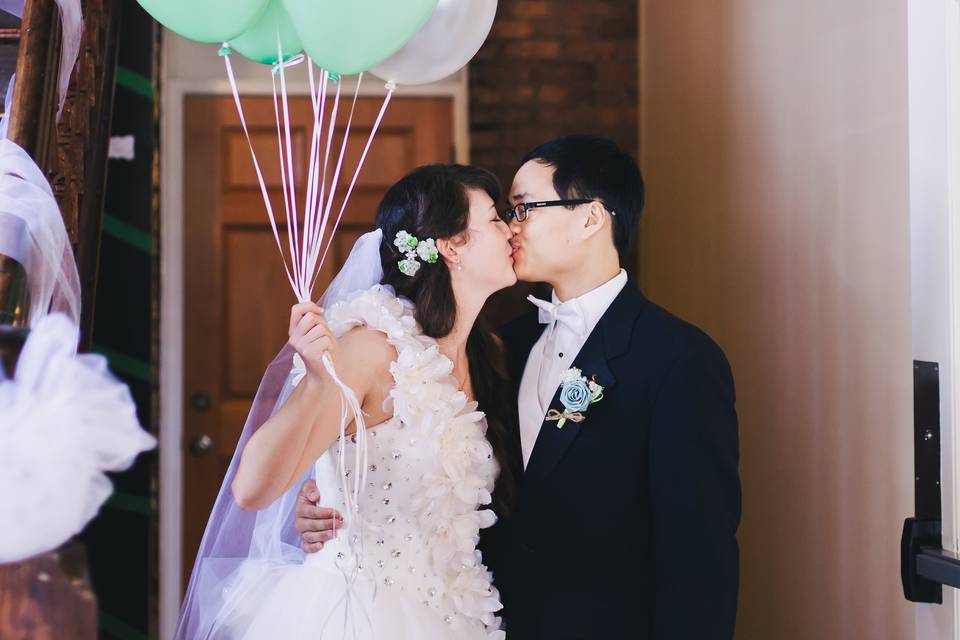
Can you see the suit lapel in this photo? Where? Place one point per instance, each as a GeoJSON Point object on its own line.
{"type": "Point", "coordinates": [609, 339]}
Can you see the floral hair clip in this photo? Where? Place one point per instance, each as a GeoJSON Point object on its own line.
{"type": "Point", "coordinates": [412, 248]}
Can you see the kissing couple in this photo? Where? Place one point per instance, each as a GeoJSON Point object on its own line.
{"type": "Point", "coordinates": [572, 474]}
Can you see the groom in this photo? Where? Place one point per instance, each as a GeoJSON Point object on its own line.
{"type": "Point", "coordinates": [627, 446]}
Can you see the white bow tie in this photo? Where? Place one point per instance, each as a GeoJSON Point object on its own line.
{"type": "Point", "coordinates": [567, 313]}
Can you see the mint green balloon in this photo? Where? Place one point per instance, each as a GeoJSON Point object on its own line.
{"type": "Point", "coordinates": [350, 36]}
{"type": "Point", "coordinates": [259, 42]}
{"type": "Point", "coordinates": [207, 21]}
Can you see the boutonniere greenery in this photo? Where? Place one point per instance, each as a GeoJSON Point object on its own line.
{"type": "Point", "coordinates": [577, 393]}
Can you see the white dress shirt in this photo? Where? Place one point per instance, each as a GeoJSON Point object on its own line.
{"type": "Point", "coordinates": [568, 325]}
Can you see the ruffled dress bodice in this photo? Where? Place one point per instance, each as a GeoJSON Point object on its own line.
{"type": "Point", "coordinates": [429, 471]}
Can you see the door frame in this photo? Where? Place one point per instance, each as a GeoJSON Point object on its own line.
{"type": "Point", "coordinates": [173, 97]}
{"type": "Point", "coordinates": [952, 90]}
{"type": "Point", "coordinates": [934, 88]}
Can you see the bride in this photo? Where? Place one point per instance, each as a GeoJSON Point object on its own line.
{"type": "Point", "coordinates": [405, 338]}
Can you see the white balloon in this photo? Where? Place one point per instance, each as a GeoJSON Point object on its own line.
{"type": "Point", "coordinates": [447, 42]}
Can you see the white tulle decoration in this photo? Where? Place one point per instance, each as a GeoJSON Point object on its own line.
{"type": "Point", "coordinates": [32, 233]}
{"type": "Point", "coordinates": [71, 33]}
{"type": "Point", "coordinates": [71, 24]}
{"type": "Point", "coordinates": [64, 419]}
{"type": "Point", "coordinates": [64, 422]}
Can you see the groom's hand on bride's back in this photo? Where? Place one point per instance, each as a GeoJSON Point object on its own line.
{"type": "Point", "coordinates": [315, 524]}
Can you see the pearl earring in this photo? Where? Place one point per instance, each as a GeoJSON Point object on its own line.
{"type": "Point", "coordinates": [459, 266]}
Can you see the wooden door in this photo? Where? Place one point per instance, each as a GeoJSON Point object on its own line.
{"type": "Point", "coordinates": [237, 296]}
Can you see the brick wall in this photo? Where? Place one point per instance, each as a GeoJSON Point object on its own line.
{"type": "Point", "coordinates": [551, 67]}
{"type": "Point", "coordinates": [548, 68]}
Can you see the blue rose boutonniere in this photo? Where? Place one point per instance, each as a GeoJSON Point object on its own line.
{"type": "Point", "coordinates": [576, 394]}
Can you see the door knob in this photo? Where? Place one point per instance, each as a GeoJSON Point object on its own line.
{"type": "Point", "coordinates": [200, 401]}
{"type": "Point", "coordinates": [201, 444]}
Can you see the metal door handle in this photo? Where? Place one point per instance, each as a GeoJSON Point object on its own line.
{"type": "Point", "coordinates": [201, 444]}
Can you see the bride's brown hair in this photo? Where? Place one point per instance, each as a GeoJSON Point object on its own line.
{"type": "Point", "coordinates": [432, 202]}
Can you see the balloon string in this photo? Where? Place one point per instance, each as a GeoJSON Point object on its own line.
{"type": "Point", "coordinates": [225, 54]}
{"type": "Point", "coordinates": [315, 187]}
{"type": "Point", "coordinates": [312, 187]}
{"type": "Point", "coordinates": [352, 565]}
{"type": "Point", "coordinates": [289, 144]}
{"type": "Point", "coordinates": [333, 184]}
{"type": "Point", "coordinates": [286, 194]}
{"type": "Point", "coordinates": [391, 87]}
{"type": "Point", "coordinates": [308, 195]}
{"type": "Point", "coordinates": [283, 179]}
{"type": "Point", "coordinates": [305, 255]}
{"type": "Point", "coordinates": [323, 180]}
{"type": "Point", "coordinates": [292, 61]}
{"type": "Point", "coordinates": [349, 400]}
{"type": "Point", "coordinates": [313, 232]}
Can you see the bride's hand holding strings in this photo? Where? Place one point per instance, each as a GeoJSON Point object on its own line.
{"type": "Point", "coordinates": [301, 429]}
{"type": "Point", "coordinates": [311, 338]}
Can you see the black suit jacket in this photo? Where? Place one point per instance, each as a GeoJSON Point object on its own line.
{"type": "Point", "coordinates": [626, 522]}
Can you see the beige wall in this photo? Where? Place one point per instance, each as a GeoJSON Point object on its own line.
{"type": "Point", "coordinates": [774, 139]}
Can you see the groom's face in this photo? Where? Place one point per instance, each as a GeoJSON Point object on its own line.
{"type": "Point", "coordinates": [545, 243]}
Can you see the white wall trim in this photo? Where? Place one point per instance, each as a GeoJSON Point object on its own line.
{"type": "Point", "coordinates": [935, 253]}
{"type": "Point", "coordinates": [174, 91]}
{"type": "Point", "coordinates": [171, 348]}
{"type": "Point", "coordinates": [952, 25]}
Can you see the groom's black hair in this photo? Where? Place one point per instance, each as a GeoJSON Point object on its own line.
{"type": "Point", "coordinates": [589, 166]}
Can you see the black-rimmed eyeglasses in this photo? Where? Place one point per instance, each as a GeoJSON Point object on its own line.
{"type": "Point", "coordinates": [519, 212]}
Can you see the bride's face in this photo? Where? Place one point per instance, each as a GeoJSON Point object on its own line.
{"type": "Point", "coordinates": [486, 255]}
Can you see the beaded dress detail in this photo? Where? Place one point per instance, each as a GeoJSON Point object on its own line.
{"type": "Point", "coordinates": [406, 564]}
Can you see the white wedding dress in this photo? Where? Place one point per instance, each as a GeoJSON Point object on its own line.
{"type": "Point", "coordinates": [409, 569]}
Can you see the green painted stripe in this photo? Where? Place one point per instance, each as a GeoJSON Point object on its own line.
{"type": "Point", "coordinates": [139, 505]}
{"type": "Point", "coordinates": [117, 628]}
{"type": "Point", "coordinates": [127, 233]}
{"type": "Point", "coordinates": [125, 364]}
{"type": "Point", "coordinates": [136, 82]}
